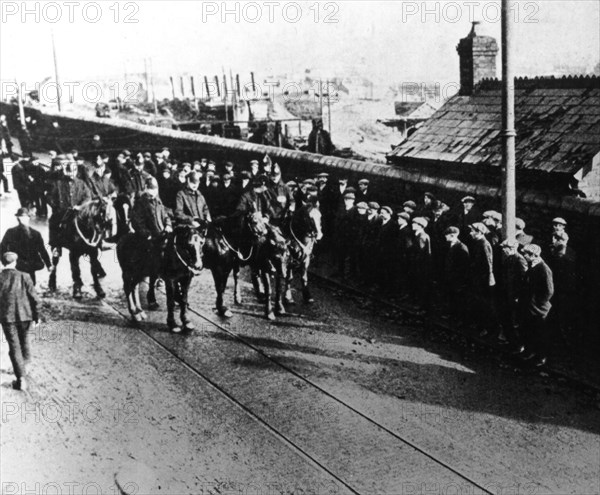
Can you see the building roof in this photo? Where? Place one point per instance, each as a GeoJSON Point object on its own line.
{"type": "Point", "coordinates": [413, 109]}
{"type": "Point", "coordinates": [557, 123]}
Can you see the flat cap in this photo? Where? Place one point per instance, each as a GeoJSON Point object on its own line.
{"type": "Point", "coordinates": [479, 227]}
{"type": "Point", "coordinates": [291, 183]}
{"type": "Point", "coordinates": [452, 230]}
{"type": "Point", "coordinates": [323, 175]}
{"type": "Point", "coordinates": [227, 176]}
{"type": "Point", "coordinates": [422, 221]}
{"type": "Point", "coordinates": [468, 199]}
{"type": "Point", "coordinates": [410, 204]}
{"type": "Point", "coordinates": [520, 223]}
{"type": "Point", "coordinates": [362, 205]}
{"type": "Point", "coordinates": [245, 174]}
{"type": "Point", "coordinates": [509, 244]}
{"type": "Point", "coordinates": [229, 165]}
{"type": "Point", "coordinates": [22, 212]}
{"type": "Point", "coordinates": [253, 162]}
{"type": "Point", "coordinates": [9, 257]}
{"type": "Point", "coordinates": [351, 189]}
{"type": "Point", "coordinates": [373, 205]}
{"type": "Point", "coordinates": [363, 181]}
{"type": "Point", "coordinates": [309, 181]}
{"type": "Point", "coordinates": [404, 215]}
{"type": "Point", "coordinates": [429, 195]}
{"type": "Point", "coordinates": [349, 195]}
{"type": "Point", "coordinates": [532, 249]}
{"type": "Point", "coordinates": [387, 208]}
{"type": "Point", "coordinates": [559, 221]}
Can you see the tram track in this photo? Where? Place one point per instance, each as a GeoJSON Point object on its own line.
{"type": "Point", "coordinates": [302, 451]}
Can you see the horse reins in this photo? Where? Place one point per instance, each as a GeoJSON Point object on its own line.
{"type": "Point", "coordinates": [229, 246]}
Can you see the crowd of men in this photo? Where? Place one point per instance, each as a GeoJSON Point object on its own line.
{"type": "Point", "coordinates": [504, 289]}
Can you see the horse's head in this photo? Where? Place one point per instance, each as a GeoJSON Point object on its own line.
{"type": "Point", "coordinates": [256, 224]}
{"type": "Point", "coordinates": [98, 217]}
{"type": "Point", "coordinates": [188, 243]}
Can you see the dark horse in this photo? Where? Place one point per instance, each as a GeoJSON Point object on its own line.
{"type": "Point", "coordinates": [175, 258]}
{"type": "Point", "coordinates": [81, 232]}
{"type": "Point", "coordinates": [303, 229]}
{"type": "Point", "coordinates": [255, 243]}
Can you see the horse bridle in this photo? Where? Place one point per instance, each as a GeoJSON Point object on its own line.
{"type": "Point", "coordinates": [193, 270]}
{"type": "Point", "coordinates": [95, 240]}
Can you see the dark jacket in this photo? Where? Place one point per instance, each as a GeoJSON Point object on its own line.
{"type": "Point", "coordinates": [514, 269]}
{"type": "Point", "coordinates": [456, 268]}
{"type": "Point", "coordinates": [149, 217]}
{"type": "Point", "coordinates": [189, 206]}
{"type": "Point", "coordinates": [482, 264]}
{"type": "Point", "coordinates": [18, 298]}
{"type": "Point", "coordinates": [29, 245]}
{"type": "Point", "coordinates": [251, 201]}
{"type": "Point", "coordinates": [66, 193]}
{"type": "Point", "coordinates": [539, 289]}
{"type": "Point", "coordinates": [102, 186]}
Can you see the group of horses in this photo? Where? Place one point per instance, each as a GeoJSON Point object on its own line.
{"type": "Point", "coordinates": [273, 254]}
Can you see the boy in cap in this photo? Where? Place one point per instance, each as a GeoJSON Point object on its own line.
{"type": "Point", "coordinates": [405, 242]}
{"type": "Point", "coordinates": [539, 289]}
{"type": "Point", "coordinates": [513, 270]}
{"type": "Point", "coordinates": [456, 272]}
{"type": "Point", "coordinates": [483, 280]}
{"type": "Point", "coordinates": [28, 244]}
{"type": "Point", "coordinates": [363, 193]}
{"type": "Point", "coordinates": [387, 261]}
{"type": "Point", "coordinates": [522, 238]}
{"type": "Point", "coordinates": [345, 233]}
{"type": "Point", "coordinates": [420, 263]}
{"type": "Point", "coordinates": [18, 308]}
{"type": "Point", "coordinates": [190, 205]}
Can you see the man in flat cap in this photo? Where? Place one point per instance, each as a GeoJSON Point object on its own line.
{"type": "Point", "coordinates": [345, 232]}
{"type": "Point", "coordinates": [409, 207]}
{"type": "Point", "coordinates": [567, 284]}
{"type": "Point", "coordinates": [387, 244]}
{"type": "Point", "coordinates": [190, 205]}
{"type": "Point", "coordinates": [466, 215]}
{"type": "Point", "coordinates": [28, 244]}
{"type": "Point", "coordinates": [559, 224]}
{"type": "Point", "coordinates": [420, 263]}
{"type": "Point", "coordinates": [537, 294]}
{"type": "Point", "coordinates": [483, 280]}
{"type": "Point", "coordinates": [363, 194]}
{"type": "Point", "coordinates": [18, 309]}
{"type": "Point", "coordinates": [510, 288]}
{"type": "Point", "coordinates": [360, 222]}
{"type": "Point", "coordinates": [456, 273]}
{"type": "Point", "coordinates": [404, 246]}
{"type": "Point", "coordinates": [522, 238]}
{"type": "Point", "coordinates": [369, 243]}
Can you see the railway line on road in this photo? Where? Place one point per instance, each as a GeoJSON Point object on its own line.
{"type": "Point", "coordinates": [454, 478]}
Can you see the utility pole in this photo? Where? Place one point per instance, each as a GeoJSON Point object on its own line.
{"type": "Point", "coordinates": [321, 97]}
{"type": "Point", "coordinates": [328, 108]}
{"type": "Point", "coordinates": [508, 126]}
{"type": "Point", "coordinates": [56, 72]}
{"type": "Point", "coordinates": [172, 87]}
{"type": "Point", "coordinates": [21, 107]}
{"type": "Point", "coordinates": [147, 80]}
{"type": "Point", "coordinates": [152, 85]}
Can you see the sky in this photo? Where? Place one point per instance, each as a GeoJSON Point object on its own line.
{"type": "Point", "coordinates": [385, 40]}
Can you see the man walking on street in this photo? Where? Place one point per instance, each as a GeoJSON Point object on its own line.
{"type": "Point", "coordinates": [18, 308]}
{"type": "Point", "coordinates": [28, 244]}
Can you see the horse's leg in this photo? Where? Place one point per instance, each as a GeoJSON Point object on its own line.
{"type": "Point", "coordinates": [256, 279]}
{"type": "Point", "coordinates": [97, 270]}
{"type": "Point", "coordinates": [137, 303]}
{"type": "Point", "coordinates": [151, 294]}
{"type": "Point", "coordinates": [279, 283]}
{"type": "Point", "coordinates": [170, 289]}
{"type": "Point", "coordinates": [237, 295]}
{"type": "Point", "coordinates": [183, 303]}
{"type": "Point", "coordinates": [75, 273]}
{"type": "Point", "coordinates": [94, 263]}
{"type": "Point", "coordinates": [266, 280]}
{"type": "Point", "coordinates": [289, 276]}
{"type": "Point", "coordinates": [56, 252]}
{"type": "Point", "coordinates": [306, 295]}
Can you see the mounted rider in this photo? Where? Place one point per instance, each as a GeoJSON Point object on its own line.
{"type": "Point", "coordinates": [190, 206]}
{"type": "Point", "coordinates": [67, 194]}
{"type": "Point", "coordinates": [150, 220]}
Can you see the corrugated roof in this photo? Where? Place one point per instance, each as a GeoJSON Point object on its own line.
{"type": "Point", "coordinates": [557, 123]}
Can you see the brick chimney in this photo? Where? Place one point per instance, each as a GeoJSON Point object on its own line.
{"type": "Point", "coordinates": [477, 59]}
